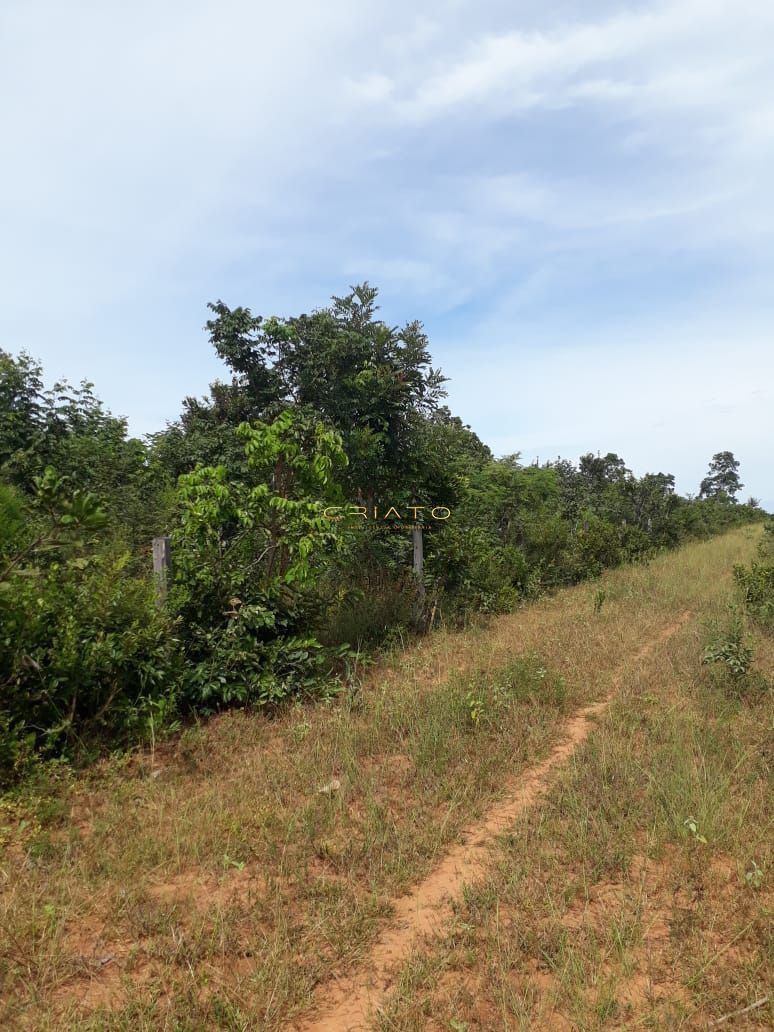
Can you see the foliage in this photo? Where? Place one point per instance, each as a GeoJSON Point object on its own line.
{"type": "Point", "coordinates": [728, 647]}
{"type": "Point", "coordinates": [371, 382]}
{"type": "Point", "coordinates": [722, 481]}
{"type": "Point", "coordinates": [82, 645]}
{"type": "Point", "coordinates": [267, 595]}
{"type": "Point", "coordinates": [247, 560]}
{"type": "Point", "coordinates": [757, 582]}
{"type": "Point", "coordinates": [487, 699]}
{"type": "Point", "coordinates": [68, 429]}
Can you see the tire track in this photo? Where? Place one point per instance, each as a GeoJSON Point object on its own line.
{"type": "Point", "coordinates": [351, 1002]}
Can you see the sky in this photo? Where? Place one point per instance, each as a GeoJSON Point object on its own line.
{"type": "Point", "coordinates": [574, 197]}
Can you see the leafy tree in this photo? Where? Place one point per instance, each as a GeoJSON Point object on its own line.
{"type": "Point", "coordinates": [371, 382]}
{"type": "Point", "coordinates": [597, 472]}
{"type": "Point", "coordinates": [722, 481]}
{"type": "Point", "coordinates": [68, 429]}
{"type": "Point", "coordinates": [247, 558]}
{"type": "Point", "coordinates": [22, 421]}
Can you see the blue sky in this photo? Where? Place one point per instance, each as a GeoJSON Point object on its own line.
{"type": "Point", "coordinates": [574, 197]}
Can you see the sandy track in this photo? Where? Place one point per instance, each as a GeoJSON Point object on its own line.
{"type": "Point", "coordinates": [351, 1003]}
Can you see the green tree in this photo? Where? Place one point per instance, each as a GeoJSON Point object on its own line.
{"type": "Point", "coordinates": [67, 428]}
{"type": "Point", "coordinates": [22, 420]}
{"type": "Point", "coordinates": [247, 560]}
{"type": "Point", "coordinates": [722, 481]}
{"type": "Point", "coordinates": [371, 382]}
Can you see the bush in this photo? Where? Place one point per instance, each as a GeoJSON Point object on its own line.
{"type": "Point", "coordinates": [378, 603]}
{"type": "Point", "coordinates": [472, 571]}
{"type": "Point", "coordinates": [82, 647]}
{"type": "Point", "coordinates": [757, 582]}
{"type": "Point", "coordinates": [239, 668]}
{"type": "Point", "coordinates": [248, 560]}
{"type": "Point", "coordinates": [729, 652]}
{"type": "Point", "coordinates": [596, 545]}
{"type": "Point", "coordinates": [11, 518]}
{"type": "Point", "coordinates": [17, 749]}
{"type": "Point", "coordinates": [757, 585]}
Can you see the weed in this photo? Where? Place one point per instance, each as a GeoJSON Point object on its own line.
{"type": "Point", "coordinates": [691, 825]}
{"type": "Point", "coordinates": [753, 876]}
{"type": "Point", "coordinates": [729, 646]}
{"type": "Point", "coordinates": [476, 707]}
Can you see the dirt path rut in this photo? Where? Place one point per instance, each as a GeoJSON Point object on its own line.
{"type": "Point", "coordinates": [350, 1003]}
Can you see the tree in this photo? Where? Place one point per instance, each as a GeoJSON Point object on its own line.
{"type": "Point", "coordinates": [722, 482]}
{"type": "Point", "coordinates": [248, 558]}
{"type": "Point", "coordinates": [371, 382]}
{"type": "Point", "coordinates": [68, 428]}
{"type": "Point", "coordinates": [22, 420]}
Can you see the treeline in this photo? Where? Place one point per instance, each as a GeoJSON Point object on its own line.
{"type": "Point", "coordinates": [269, 595]}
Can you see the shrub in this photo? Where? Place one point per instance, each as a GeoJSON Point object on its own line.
{"type": "Point", "coordinates": [17, 749]}
{"type": "Point", "coordinates": [474, 571]}
{"type": "Point", "coordinates": [247, 560]}
{"type": "Point", "coordinates": [757, 582]}
{"type": "Point", "coordinates": [596, 544]}
{"type": "Point", "coordinates": [729, 653]}
{"type": "Point", "coordinates": [757, 586]}
{"type": "Point", "coordinates": [11, 519]}
{"type": "Point", "coordinates": [83, 647]}
{"type": "Point", "coordinates": [378, 604]}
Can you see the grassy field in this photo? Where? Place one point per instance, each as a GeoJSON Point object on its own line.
{"type": "Point", "coordinates": [227, 878]}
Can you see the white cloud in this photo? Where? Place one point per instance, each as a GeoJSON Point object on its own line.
{"type": "Point", "coordinates": [675, 55]}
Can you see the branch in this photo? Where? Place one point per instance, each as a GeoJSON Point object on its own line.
{"type": "Point", "coordinates": [735, 1014]}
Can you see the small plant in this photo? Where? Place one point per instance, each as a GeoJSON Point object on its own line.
{"type": "Point", "coordinates": [599, 599]}
{"type": "Point", "coordinates": [729, 646]}
{"type": "Point", "coordinates": [476, 707]}
{"type": "Point", "coordinates": [191, 746]}
{"type": "Point", "coordinates": [229, 862]}
{"type": "Point", "coordinates": [753, 876]}
{"type": "Point", "coordinates": [757, 587]}
{"type": "Point", "coordinates": [692, 826]}
{"type": "Point", "coordinates": [300, 730]}
{"type": "Point", "coordinates": [490, 695]}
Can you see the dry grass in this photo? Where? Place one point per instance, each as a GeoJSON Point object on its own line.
{"type": "Point", "coordinates": [218, 893]}
{"type": "Point", "coordinates": [604, 908]}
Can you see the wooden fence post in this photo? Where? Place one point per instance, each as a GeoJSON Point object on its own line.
{"type": "Point", "coordinates": [162, 563]}
{"type": "Point", "coordinates": [419, 562]}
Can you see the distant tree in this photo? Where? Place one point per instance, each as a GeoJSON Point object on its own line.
{"type": "Point", "coordinates": [599, 471]}
{"type": "Point", "coordinates": [653, 502]}
{"type": "Point", "coordinates": [722, 482]}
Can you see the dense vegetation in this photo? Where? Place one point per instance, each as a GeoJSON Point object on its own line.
{"type": "Point", "coordinates": [329, 414]}
{"type": "Point", "coordinates": [757, 582]}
